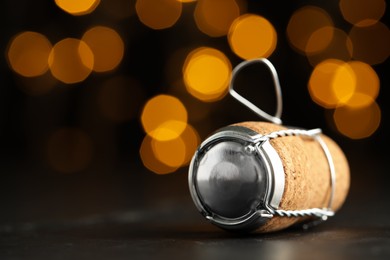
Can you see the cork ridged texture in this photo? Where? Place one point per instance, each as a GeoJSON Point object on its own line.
{"type": "Point", "coordinates": [307, 174]}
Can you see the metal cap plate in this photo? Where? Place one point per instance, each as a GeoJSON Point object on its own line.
{"type": "Point", "coordinates": [233, 181]}
{"type": "Point", "coordinates": [230, 181]}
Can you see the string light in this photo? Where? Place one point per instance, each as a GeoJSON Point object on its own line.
{"type": "Point", "coordinates": [164, 117]}
{"type": "Point", "coordinates": [149, 159]}
{"type": "Point", "coordinates": [357, 123]}
{"type": "Point", "coordinates": [340, 47]}
{"type": "Point", "coordinates": [191, 140]}
{"type": "Point", "coordinates": [206, 74]}
{"type": "Point", "coordinates": [252, 36]}
{"type": "Point", "coordinates": [163, 157]}
{"type": "Point", "coordinates": [371, 44]}
{"type": "Point", "coordinates": [78, 7]}
{"type": "Point", "coordinates": [28, 53]}
{"type": "Point", "coordinates": [309, 29]}
{"type": "Point", "coordinates": [332, 82]}
{"type": "Point", "coordinates": [319, 40]}
{"type": "Point", "coordinates": [171, 152]}
{"type": "Point", "coordinates": [215, 17]}
{"type": "Point", "coordinates": [362, 12]}
{"type": "Point", "coordinates": [160, 14]}
{"type": "Point", "coordinates": [71, 61]}
{"type": "Point", "coordinates": [367, 85]}
{"type": "Point", "coordinates": [107, 47]}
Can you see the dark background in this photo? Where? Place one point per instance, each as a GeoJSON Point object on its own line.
{"type": "Point", "coordinates": [116, 187]}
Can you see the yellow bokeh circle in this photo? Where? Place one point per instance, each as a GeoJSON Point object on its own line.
{"type": "Point", "coordinates": [164, 117]}
{"type": "Point", "coordinates": [371, 44]}
{"type": "Point", "coordinates": [252, 36]}
{"type": "Point", "coordinates": [149, 159]}
{"type": "Point", "coordinates": [107, 47]}
{"type": "Point", "coordinates": [362, 12]}
{"type": "Point", "coordinates": [340, 46]}
{"type": "Point", "coordinates": [78, 7]}
{"type": "Point", "coordinates": [164, 157]}
{"type": "Point", "coordinates": [206, 73]}
{"type": "Point", "coordinates": [357, 123]}
{"type": "Point", "coordinates": [331, 83]}
{"type": "Point", "coordinates": [172, 152]}
{"type": "Point", "coordinates": [344, 83]}
{"type": "Point", "coordinates": [304, 29]}
{"type": "Point", "coordinates": [159, 14]}
{"type": "Point", "coordinates": [319, 40]}
{"type": "Point", "coordinates": [367, 85]}
{"type": "Point", "coordinates": [215, 17]}
{"type": "Point", "coordinates": [28, 54]}
{"type": "Point", "coordinates": [191, 139]}
{"type": "Point", "coordinates": [335, 83]}
{"type": "Point", "coordinates": [71, 61]}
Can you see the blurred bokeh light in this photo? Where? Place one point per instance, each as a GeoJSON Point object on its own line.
{"type": "Point", "coordinates": [107, 47]}
{"type": "Point", "coordinates": [344, 83]}
{"type": "Point", "coordinates": [371, 44]}
{"type": "Point", "coordinates": [319, 40]}
{"type": "Point", "coordinates": [71, 60]}
{"type": "Point", "coordinates": [159, 14]}
{"type": "Point", "coordinates": [206, 73]}
{"type": "Point", "coordinates": [367, 84]}
{"type": "Point", "coordinates": [167, 156]}
{"type": "Point", "coordinates": [215, 17]}
{"type": "Point", "coordinates": [310, 29]}
{"type": "Point", "coordinates": [149, 159]}
{"type": "Point", "coordinates": [77, 7]}
{"type": "Point", "coordinates": [171, 152]}
{"type": "Point", "coordinates": [340, 47]}
{"type": "Point", "coordinates": [28, 54]}
{"type": "Point", "coordinates": [332, 82]}
{"type": "Point", "coordinates": [357, 123]}
{"type": "Point", "coordinates": [252, 36]}
{"type": "Point", "coordinates": [362, 12]}
{"type": "Point", "coordinates": [164, 117]}
{"type": "Point", "coordinates": [191, 140]}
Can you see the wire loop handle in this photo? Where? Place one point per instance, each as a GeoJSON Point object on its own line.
{"type": "Point", "coordinates": [274, 119]}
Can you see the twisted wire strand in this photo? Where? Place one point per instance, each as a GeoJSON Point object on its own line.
{"type": "Point", "coordinates": [293, 132]}
{"type": "Point", "coordinates": [304, 213]}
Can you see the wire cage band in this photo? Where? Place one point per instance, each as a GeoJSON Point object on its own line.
{"type": "Point", "coordinates": [322, 213]}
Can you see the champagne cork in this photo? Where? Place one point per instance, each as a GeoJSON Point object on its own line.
{"type": "Point", "coordinates": [264, 177]}
{"type": "Point", "coordinates": [240, 182]}
{"type": "Point", "coordinates": [307, 178]}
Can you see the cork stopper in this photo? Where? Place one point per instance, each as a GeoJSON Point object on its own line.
{"type": "Point", "coordinates": [307, 177]}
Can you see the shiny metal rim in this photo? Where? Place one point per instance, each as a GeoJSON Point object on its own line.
{"type": "Point", "coordinates": [274, 169]}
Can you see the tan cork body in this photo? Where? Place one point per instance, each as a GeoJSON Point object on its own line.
{"type": "Point", "coordinates": [307, 175]}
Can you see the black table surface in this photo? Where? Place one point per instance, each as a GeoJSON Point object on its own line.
{"type": "Point", "coordinates": [125, 236]}
{"type": "Point", "coordinates": [177, 230]}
